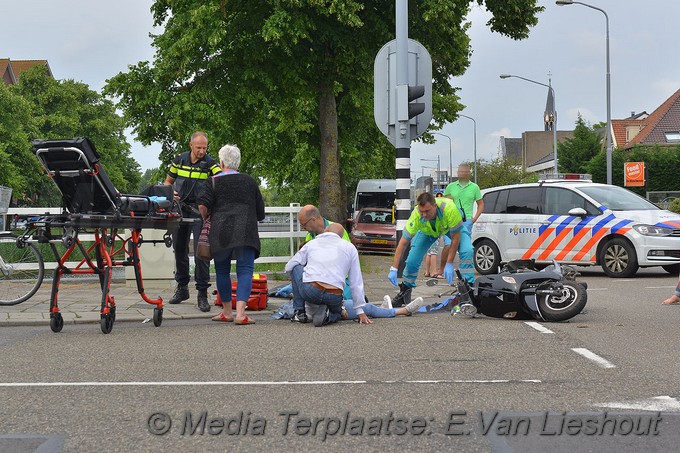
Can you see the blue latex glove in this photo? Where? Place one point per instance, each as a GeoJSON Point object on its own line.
{"type": "Point", "coordinates": [392, 276]}
{"type": "Point", "coordinates": [448, 272]}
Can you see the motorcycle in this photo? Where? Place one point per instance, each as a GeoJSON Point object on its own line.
{"type": "Point", "coordinates": [520, 291]}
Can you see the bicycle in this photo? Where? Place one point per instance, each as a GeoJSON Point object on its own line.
{"type": "Point", "coordinates": [21, 269]}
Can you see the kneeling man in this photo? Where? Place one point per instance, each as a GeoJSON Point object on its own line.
{"type": "Point", "coordinates": [318, 273]}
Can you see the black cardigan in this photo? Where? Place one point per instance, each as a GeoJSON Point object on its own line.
{"type": "Point", "coordinates": [235, 205]}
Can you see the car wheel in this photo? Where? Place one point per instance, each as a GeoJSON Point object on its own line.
{"type": "Point", "coordinates": [565, 306]}
{"type": "Point", "coordinates": [618, 258]}
{"type": "Point", "coordinates": [487, 257]}
{"type": "Point", "coordinates": [673, 269]}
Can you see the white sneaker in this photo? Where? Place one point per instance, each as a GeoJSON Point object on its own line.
{"type": "Point", "coordinates": [387, 302]}
{"type": "Point", "coordinates": [415, 305]}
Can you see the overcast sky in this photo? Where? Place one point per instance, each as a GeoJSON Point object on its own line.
{"type": "Point", "coordinates": [92, 40]}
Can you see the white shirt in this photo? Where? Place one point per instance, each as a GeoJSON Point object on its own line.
{"type": "Point", "coordinates": [328, 259]}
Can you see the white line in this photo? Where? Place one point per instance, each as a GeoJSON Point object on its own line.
{"type": "Point", "coordinates": [660, 287]}
{"type": "Point", "coordinates": [604, 363]}
{"type": "Point", "coordinates": [259, 383]}
{"type": "Point", "coordinates": [538, 327]}
{"type": "Point", "coordinates": [598, 289]}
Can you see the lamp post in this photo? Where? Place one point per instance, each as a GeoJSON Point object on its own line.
{"type": "Point", "coordinates": [432, 160]}
{"type": "Point", "coordinates": [609, 94]}
{"type": "Point", "coordinates": [450, 155]}
{"type": "Point", "coordinates": [506, 76]}
{"type": "Point", "coordinates": [474, 128]}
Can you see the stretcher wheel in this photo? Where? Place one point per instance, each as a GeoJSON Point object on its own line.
{"type": "Point", "coordinates": [157, 316]}
{"type": "Point", "coordinates": [67, 241]}
{"type": "Point", "coordinates": [109, 240]}
{"type": "Point", "coordinates": [106, 322]}
{"type": "Point", "coordinates": [112, 312]}
{"type": "Point", "coordinates": [167, 238]}
{"type": "Point", "coordinates": [56, 322]}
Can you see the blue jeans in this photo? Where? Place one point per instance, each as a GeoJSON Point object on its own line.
{"type": "Point", "coordinates": [306, 292]}
{"type": "Point", "coordinates": [677, 290]}
{"type": "Point", "coordinates": [245, 263]}
{"type": "Point", "coordinates": [372, 311]}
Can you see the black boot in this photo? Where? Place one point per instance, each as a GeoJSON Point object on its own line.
{"type": "Point", "coordinates": [404, 296]}
{"type": "Point", "coordinates": [203, 304]}
{"type": "Point", "coordinates": [181, 293]}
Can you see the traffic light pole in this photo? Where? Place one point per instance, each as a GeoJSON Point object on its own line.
{"type": "Point", "coordinates": [402, 142]}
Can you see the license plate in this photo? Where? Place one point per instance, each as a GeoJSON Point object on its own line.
{"type": "Point", "coordinates": [379, 241]}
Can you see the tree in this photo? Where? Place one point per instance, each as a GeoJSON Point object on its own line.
{"type": "Point", "coordinates": [575, 153]}
{"type": "Point", "coordinates": [150, 177]}
{"type": "Point", "coordinates": [291, 82]}
{"type": "Point", "coordinates": [66, 109]}
{"type": "Point", "coordinates": [17, 165]}
{"type": "Point", "coordinates": [501, 172]}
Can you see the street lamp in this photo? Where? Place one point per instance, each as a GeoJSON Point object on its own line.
{"type": "Point", "coordinates": [438, 168]}
{"type": "Point", "coordinates": [609, 95]}
{"type": "Point", "coordinates": [450, 155]}
{"type": "Point", "coordinates": [506, 76]}
{"type": "Point", "coordinates": [474, 128]}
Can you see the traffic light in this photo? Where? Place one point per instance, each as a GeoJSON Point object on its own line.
{"type": "Point", "coordinates": [405, 96]}
{"type": "Point", "coordinates": [415, 108]}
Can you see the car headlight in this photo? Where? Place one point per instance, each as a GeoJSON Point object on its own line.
{"type": "Point", "coordinates": [358, 234]}
{"type": "Point", "coordinates": [652, 230]}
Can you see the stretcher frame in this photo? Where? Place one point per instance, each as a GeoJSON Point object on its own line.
{"type": "Point", "coordinates": [96, 208]}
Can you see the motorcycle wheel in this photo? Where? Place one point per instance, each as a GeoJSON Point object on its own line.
{"type": "Point", "coordinates": [565, 306]}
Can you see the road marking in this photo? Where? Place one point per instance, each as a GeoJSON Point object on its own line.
{"type": "Point", "coordinates": [260, 383]}
{"type": "Point", "coordinates": [537, 326]}
{"type": "Point", "coordinates": [604, 363]}
{"type": "Point", "coordinates": [598, 289]}
{"type": "Point", "coordinates": [656, 404]}
{"type": "Point", "coordinates": [660, 287]}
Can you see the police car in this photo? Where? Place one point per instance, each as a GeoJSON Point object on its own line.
{"type": "Point", "coordinates": [575, 221]}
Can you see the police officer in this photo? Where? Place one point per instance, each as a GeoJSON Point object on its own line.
{"type": "Point", "coordinates": [187, 173]}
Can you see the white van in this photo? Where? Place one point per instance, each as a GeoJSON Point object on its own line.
{"type": "Point", "coordinates": [575, 222]}
{"type": "Point", "coordinates": [374, 193]}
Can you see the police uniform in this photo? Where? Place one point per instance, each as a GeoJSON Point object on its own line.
{"type": "Point", "coordinates": [189, 181]}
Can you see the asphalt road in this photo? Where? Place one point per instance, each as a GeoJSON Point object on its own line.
{"type": "Point", "coordinates": [431, 382]}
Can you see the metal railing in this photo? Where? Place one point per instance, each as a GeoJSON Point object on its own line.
{"type": "Point", "coordinates": [280, 222]}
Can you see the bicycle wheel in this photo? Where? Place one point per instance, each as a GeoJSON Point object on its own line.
{"type": "Point", "coordinates": [21, 271]}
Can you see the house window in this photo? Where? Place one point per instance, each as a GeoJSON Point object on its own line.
{"type": "Point", "coordinates": [673, 137]}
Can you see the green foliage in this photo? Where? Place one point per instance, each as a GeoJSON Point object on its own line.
{"type": "Point", "coordinates": [150, 177]}
{"type": "Point", "coordinates": [292, 83]}
{"type": "Point", "coordinates": [675, 206]}
{"type": "Point", "coordinates": [661, 163]}
{"type": "Point", "coordinates": [66, 109]}
{"type": "Point", "coordinates": [40, 107]}
{"type": "Point", "coordinates": [575, 153]}
{"type": "Point", "coordinates": [501, 172]}
{"type": "Point", "coordinates": [17, 165]}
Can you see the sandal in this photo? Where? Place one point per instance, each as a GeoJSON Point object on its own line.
{"type": "Point", "coordinates": [244, 321]}
{"type": "Point", "coordinates": [427, 276]}
{"type": "Point", "coordinates": [440, 276]}
{"type": "Point", "coordinates": [222, 318]}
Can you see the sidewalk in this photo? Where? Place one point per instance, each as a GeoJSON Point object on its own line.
{"type": "Point", "coordinates": [80, 298]}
